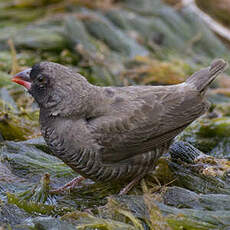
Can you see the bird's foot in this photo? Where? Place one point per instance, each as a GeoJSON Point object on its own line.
{"type": "Point", "coordinates": [130, 185]}
{"type": "Point", "coordinates": [70, 185]}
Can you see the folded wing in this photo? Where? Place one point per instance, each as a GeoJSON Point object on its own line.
{"type": "Point", "coordinates": [135, 125]}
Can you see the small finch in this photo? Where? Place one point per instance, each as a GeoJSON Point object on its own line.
{"type": "Point", "coordinates": [113, 133]}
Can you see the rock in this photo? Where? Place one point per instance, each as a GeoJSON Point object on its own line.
{"type": "Point", "coordinates": [77, 35]}
{"type": "Point", "coordinates": [11, 215]}
{"type": "Point", "coordinates": [5, 79]}
{"type": "Point", "coordinates": [148, 210]}
{"type": "Point", "coordinates": [40, 38]}
{"type": "Point", "coordinates": [116, 39]}
{"type": "Point", "coordinates": [29, 160]}
{"type": "Point", "coordinates": [13, 127]}
{"type": "Point", "coordinates": [49, 223]}
{"type": "Point", "coordinates": [211, 136]}
{"type": "Point", "coordinates": [185, 152]}
{"type": "Point", "coordinates": [198, 171]}
{"type": "Point", "coordinates": [5, 96]}
{"type": "Point", "coordinates": [182, 198]}
{"type": "Point", "coordinates": [219, 9]}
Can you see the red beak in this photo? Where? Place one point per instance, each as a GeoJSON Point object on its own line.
{"type": "Point", "coordinates": [23, 78]}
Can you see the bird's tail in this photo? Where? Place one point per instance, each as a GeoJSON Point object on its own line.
{"type": "Point", "coordinates": [203, 78]}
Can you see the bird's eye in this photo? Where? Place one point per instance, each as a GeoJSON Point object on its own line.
{"type": "Point", "coordinates": [41, 79]}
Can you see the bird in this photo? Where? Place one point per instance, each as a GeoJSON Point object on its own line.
{"type": "Point", "coordinates": [113, 133]}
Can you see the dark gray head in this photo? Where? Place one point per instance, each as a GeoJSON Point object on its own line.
{"type": "Point", "coordinates": [53, 86]}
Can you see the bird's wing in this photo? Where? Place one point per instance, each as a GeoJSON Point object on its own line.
{"type": "Point", "coordinates": [136, 125]}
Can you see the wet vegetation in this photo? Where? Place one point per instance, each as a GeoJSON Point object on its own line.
{"type": "Point", "coordinates": [112, 42]}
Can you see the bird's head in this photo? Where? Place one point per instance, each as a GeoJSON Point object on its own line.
{"type": "Point", "coordinates": [54, 87]}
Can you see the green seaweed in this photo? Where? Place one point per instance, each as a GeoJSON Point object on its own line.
{"type": "Point", "coordinates": [209, 135]}
{"type": "Point", "coordinates": [215, 127]}
{"type": "Point", "coordinates": [14, 127]}
{"type": "Point", "coordinates": [5, 79]}
{"type": "Point", "coordinates": [36, 207]}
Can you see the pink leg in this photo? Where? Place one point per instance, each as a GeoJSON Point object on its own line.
{"type": "Point", "coordinates": [69, 185]}
{"type": "Point", "coordinates": [129, 186]}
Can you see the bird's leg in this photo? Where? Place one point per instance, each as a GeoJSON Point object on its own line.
{"type": "Point", "coordinates": [130, 185]}
{"type": "Point", "coordinates": [69, 185]}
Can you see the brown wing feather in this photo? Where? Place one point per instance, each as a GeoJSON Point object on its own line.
{"type": "Point", "coordinates": [142, 123]}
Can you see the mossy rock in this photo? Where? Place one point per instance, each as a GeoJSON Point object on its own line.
{"type": "Point", "coordinates": [5, 79]}
{"type": "Point", "coordinates": [14, 127]}
{"type": "Point", "coordinates": [209, 135]}
{"type": "Point", "coordinates": [219, 9]}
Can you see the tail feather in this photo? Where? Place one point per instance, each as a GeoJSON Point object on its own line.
{"type": "Point", "coordinates": [203, 78]}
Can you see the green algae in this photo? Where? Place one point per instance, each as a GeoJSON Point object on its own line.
{"type": "Point", "coordinates": [146, 70]}
{"type": "Point", "coordinates": [85, 221]}
{"type": "Point", "coordinates": [39, 193]}
{"type": "Point", "coordinates": [186, 223]}
{"type": "Point", "coordinates": [209, 135]}
{"type": "Point", "coordinates": [215, 127]}
{"type": "Point", "coordinates": [183, 198]}
{"type": "Point", "coordinates": [27, 159]}
{"type": "Point", "coordinates": [31, 207]}
{"type": "Point", "coordinates": [120, 216]}
{"type": "Point", "coordinates": [5, 79]}
{"type": "Point", "coordinates": [158, 216]}
{"type": "Point", "coordinates": [36, 207]}
{"type": "Point", "coordinates": [14, 127]}
{"type": "Point", "coordinates": [40, 38]}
